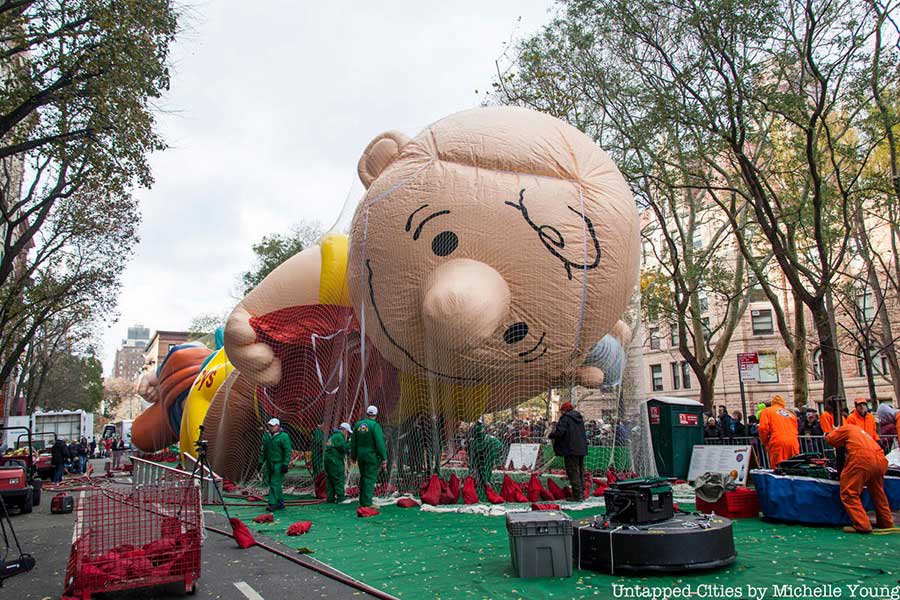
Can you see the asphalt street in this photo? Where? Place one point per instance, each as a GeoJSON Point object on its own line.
{"type": "Point", "coordinates": [227, 571]}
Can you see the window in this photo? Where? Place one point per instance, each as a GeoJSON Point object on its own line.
{"type": "Point", "coordinates": [698, 239]}
{"type": "Point", "coordinates": [703, 299]}
{"type": "Point", "coordinates": [768, 367]}
{"type": "Point", "coordinates": [646, 250]}
{"type": "Point", "coordinates": [656, 374]}
{"type": "Point", "coordinates": [880, 364]}
{"type": "Point", "coordinates": [865, 307]}
{"type": "Point", "coordinates": [762, 321]}
{"type": "Point", "coordinates": [707, 332]}
{"type": "Point", "coordinates": [686, 375]}
{"type": "Point", "coordinates": [676, 377]}
{"type": "Point", "coordinates": [673, 333]}
{"type": "Point", "coordinates": [652, 312]}
{"type": "Point", "coordinates": [817, 364]}
{"type": "Point", "coordinates": [654, 338]}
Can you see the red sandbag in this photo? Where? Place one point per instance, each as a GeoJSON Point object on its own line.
{"type": "Point", "coordinates": [544, 506]}
{"type": "Point", "coordinates": [454, 484]}
{"type": "Point", "coordinates": [469, 495]}
{"type": "Point", "coordinates": [264, 518]}
{"type": "Point", "coordinates": [228, 487]}
{"type": "Point", "coordinates": [555, 490]}
{"type": "Point", "coordinates": [546, 495]}
{"type": "Point", "coordinates": [447, 496]}
{"type": "Point", "coordinates": [601, 487]}
{"type": "Point", "coordinates": [492, 496]}
{"type": "Point", "coordinates": [385, 489]}
{"type": "Point", "coordinates": [299, 528]}
{"type": "Point", "coordinates": [407, 503]}
{"type": "Point", "coordinates": [432, 493]}
{"type": "Point", "coordinates": [506, 489]}
{"type": "Point", "coordinates": [242, 535]}
{"type": "Point", "coordinates": [511, 492]}
{"type": "Point", "coordinates": [252, 498]}
{"type": "Point", "coordinates": [611, 476]}
{"type": "Point", "coordinates": [161, 550]}
{"type": "Point", "coordinates": [520, 497]}
{"type": "Point", "coordinates": [534, 488]}
{"type": "Point", "coordinates": [320, 486]}
{"type": "Point", "coordinates": [170, 527]}
{"type": "Point", "coordinates": [366, 511]}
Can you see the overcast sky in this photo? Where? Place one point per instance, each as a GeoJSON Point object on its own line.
{"type": "Point", "coordinates": [271, 104]}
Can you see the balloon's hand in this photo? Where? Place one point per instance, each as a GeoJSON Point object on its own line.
{"type": "Point", "coordinates": [148, 387]}
{"type": "Point", "coordinates": [253, 359]}
{"type": "Point", "coordinates": [587, 376]}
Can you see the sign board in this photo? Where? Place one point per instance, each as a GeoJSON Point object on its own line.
{"type": "Point", "coordinates": [728, 460]}
{"type": "Point", "coordinates": [522, 455]}
{"type": "Point", "coordinates": [654, 415]}
{"type": "Point", "coordinates": [748, 365]}
{"type": "Point", "coordinates": [688, 419]}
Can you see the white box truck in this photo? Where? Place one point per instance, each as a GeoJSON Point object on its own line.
{"type": "Point", "coordinates": [66, 424]}
{"type": "Point", "coordinates": [119, 429]}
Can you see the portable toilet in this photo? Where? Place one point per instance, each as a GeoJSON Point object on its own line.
{"type": "Point", "coordinates": [676, 426]}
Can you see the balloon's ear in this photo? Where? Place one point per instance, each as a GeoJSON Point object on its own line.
{"type": "Point", "coordinates": [380, 153]}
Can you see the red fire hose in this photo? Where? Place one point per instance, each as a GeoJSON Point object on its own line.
{"type": "Point", "coordinates": [314, 567]}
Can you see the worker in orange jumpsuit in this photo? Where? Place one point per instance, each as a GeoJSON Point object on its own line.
{"type": "Point", "coordinates": [862, 418]}
{"type": "Point", "coordinates": [826, 419]}
{"type": "Point", "coordinates": [865, 468]}
{"type": "Point", "coordinates": [778, 432]}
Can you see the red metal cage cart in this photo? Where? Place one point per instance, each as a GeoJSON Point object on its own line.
{"type": "Point", "coordinates": [128, 539]}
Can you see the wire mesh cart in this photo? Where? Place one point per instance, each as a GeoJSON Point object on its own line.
{"type": "Point", "coordinates": [127, 539]}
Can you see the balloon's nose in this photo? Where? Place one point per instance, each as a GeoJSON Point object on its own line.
{"type": "Point", "coordinates": [464, 303]}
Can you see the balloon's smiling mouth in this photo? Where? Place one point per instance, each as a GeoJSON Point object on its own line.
{"type": "Point", "coordinates": [397, 345]}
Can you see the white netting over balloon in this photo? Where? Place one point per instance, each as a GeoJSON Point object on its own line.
{"type": "Point", "coordinates": [485, 273]}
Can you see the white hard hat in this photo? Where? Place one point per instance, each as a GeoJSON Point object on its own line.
{"type": "Point", "coordinates": [347, 427]}
{"type": "Point", "coordinates": [274, 421]}
{"type": "Point", "coordinates": [372, 411]}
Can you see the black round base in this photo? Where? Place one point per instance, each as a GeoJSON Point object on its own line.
{"type": "Point", "coordinates": [683, 543]}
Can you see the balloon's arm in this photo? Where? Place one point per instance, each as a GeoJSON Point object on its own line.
{"type": "Point", "coordinates": [293, 283]}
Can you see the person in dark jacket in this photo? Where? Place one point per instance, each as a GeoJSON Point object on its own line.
{"type": "Point", "coordinates": [83, 450]}
{"type": "Point", "coordinates": [726, 424]}
{"type": "Point", "coordinates": [58, 460]}
{"type": "Point", "coordinates": [740, 430]}
{"type": "Point", "coordinates": [570, 442]}
{"type": "Point", "coordinates": [711, 430]}
{"type": "Point", "coordinates": [810, 426]}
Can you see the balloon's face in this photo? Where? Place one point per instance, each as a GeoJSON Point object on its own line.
{"type": "Point", "coordinates": [479, 275]}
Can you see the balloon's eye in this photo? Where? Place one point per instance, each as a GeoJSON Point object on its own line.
{"type": "Point", "coordinates": [444, 243]}
{"type": "Point", "coordinates": [515, 333]}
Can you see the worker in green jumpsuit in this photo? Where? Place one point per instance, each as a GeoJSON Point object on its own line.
{"type": "Point", "coordinates": [318, 446]}
{"type": "Point", "coordinates": [480, 456]}
{"type": "Point", "coordinates": [367, 448]}
{"type": "Point", "coordinates": [273, 462]}
{"type": "Point", "coordinates": [336, 449]}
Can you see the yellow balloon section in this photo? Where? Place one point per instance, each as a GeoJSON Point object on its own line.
{"type": "Point", "coordinates": [199, 398]}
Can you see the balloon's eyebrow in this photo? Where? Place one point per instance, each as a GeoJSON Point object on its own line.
{"type": "Point", "coordinates": [418, 230]}
{"type": "Point", "coordinates": [409, 220]}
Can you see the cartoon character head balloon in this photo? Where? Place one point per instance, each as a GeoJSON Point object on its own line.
{"type": "Point", "coordinates": [495, 247]}
{"type": "Point", "coordinates": [489, 253]}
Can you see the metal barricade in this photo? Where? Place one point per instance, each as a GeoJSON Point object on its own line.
{"type": "Point", "coordinates": [146, 472]}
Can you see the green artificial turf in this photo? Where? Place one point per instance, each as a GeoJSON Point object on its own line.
{"type": "Point", "coordinates": [416, 554]}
